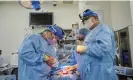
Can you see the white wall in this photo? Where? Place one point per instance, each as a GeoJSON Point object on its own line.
{"type": "Point", "coordinates": [64, 15]}
{"type": "Point", "coordinates": [120, 14]}
{"type": "Point", "coordinates": [14, 19]}
{"type": "Point", "coordinates": [12, 25]}
{"type": "Point", "coordinates": [131, 8]}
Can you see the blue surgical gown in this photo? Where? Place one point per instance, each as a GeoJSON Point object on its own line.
{"type": "Point", "coordinates": [77, 59]}
{"type": "Point", "coordinates": [98, 60]}
{"type": "Point", "coordinates": [73, 58]}
{"type": "Point", "coordinates": [31, 64]}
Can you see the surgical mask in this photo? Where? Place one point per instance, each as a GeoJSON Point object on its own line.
{"type": "Point", "coordinates": [52, 41]}
{"type": "Point", "coordinates": [88, 23]}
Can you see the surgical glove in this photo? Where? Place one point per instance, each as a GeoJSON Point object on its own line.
{"type": "Point", "coordinates": [77, 73]}
{"type": "Point", "coordinates": [46, 57]}
{"type": "Point", "coordinates": [70, 68]}
{"type": "Point", "coordinates": [81, 49]}
{"type": "Point", "coordinates": [49, 60]}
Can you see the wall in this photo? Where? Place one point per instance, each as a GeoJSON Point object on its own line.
{"type": "Point", "coordinates": [131, 8]}
{"type": "Point", "coordinates": [120, 14]}
{"type": "Point", "coordinates": [14, 19]}
{"type": "Point", "coordinates": [64, 15]}
{"type": "Point", "coordinates": [12, 25]}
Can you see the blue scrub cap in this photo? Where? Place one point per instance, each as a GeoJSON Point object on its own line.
{"type": "Point", "coordinates": [56, 30]}
{"type": "Point", "coordinates": [83, 32]}
{"type": "Point", "coordinates": [86, 15]}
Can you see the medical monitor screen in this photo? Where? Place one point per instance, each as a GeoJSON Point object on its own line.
{"type": "Point", "coordinates": [41, 18]}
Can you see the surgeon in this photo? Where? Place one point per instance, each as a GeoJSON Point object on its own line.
{"type": "Point", "coordinates": [75, 60]}
{"type": "Point", "coordinates": [98, 55]}
{"type": "Point", "coordinates": [37, 54]}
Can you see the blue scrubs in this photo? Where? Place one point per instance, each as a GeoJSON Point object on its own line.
{"type": "Point", "coordinates": [77, 59]}
{"type": "Point", "coordinates": [31, 64]}
{"type": "Point", "coordinates": [98, 60]}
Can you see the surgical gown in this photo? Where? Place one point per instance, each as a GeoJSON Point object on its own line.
{"type": "Point", "coordinates": [73, 58]}
{"type": "Point", "coordinates": [77, 59]}
{"type": "Point", "coordinates": [98, 60]}
{"type": "Point", "coordinates": [31, 64]}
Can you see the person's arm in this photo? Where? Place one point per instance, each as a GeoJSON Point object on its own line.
{"type": "Point", "coordinates": [71, 68]}
{"type": "Point", "coordinates": [75, 66]}
{"type": "Point", "coordinates": [28, 54]}
{"type": "Point", "coordinates": [102, 44]}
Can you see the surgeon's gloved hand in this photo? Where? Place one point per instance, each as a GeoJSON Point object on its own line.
{"type": "Point", "coordinates": [71, 68]}
{"type": "Point", "coordinates": [81, 49]}
{"type": "Point", "coordinates": [49, 60]}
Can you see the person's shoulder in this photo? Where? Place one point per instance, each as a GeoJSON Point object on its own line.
{"type": "Point", "coordinates": [107, 29]}
{"type": "Point", "coordinates": [33, 36]}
